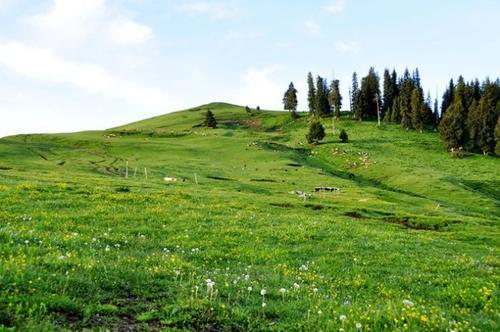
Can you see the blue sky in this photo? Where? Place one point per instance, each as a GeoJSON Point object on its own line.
{"type": "Point", "coordinates": [70, 65]}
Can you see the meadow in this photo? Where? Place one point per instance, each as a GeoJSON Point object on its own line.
{"type": "Point", "coordinates": [410, 242]}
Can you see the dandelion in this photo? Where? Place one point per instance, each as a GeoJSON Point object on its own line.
{"type": "Point", "coordinates": [341, 330]}
{"type": "Point", "coordinates": [264, 304]}
{"type": "Point", "coordinates": [107, 248]}
{"type": "Point", "coordinates": [359, 326]}
{"type": "Point", "coordinates": [249, 289]}
{"type": "Point", "coordinates": [296, 286]}
{"type": "Point", "coordinates": [320, 312]}
{"type": "Point", "coordinates": [247, 277]}
{"type": "Point", "coordinates": [263, 292]}
{"type": "Point", "coordinates": [303, 268]}
{"type": "Point", "coordinates": [282, 290]}
{"type": "Point", "coordinates": [315, 290]}
{"type": "Point", "coordinates": [343, 318]}
{"type": "Point", "coordinates": [408, 303]}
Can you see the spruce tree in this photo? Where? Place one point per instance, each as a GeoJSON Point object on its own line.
{"type": "Point", "coordinates": [311, 94]}
{"type": "Point", "coordinates": [322, 106]}
{"type": "Point", "coordinates": [335, 98]}
{"type": "Point", "coordinates": [355, 98]}
{"type": "Point", "coordinates": [497, 138]}
{"type": "Point", "coordinates": [370, 94]}
{"type": "Point", "coordinates": [417, 109]}
{"type": "Point", "coordinates": [290, 98]}
{"type": "Point", "coordinates": [407, 87]}
{"type": "Point", "coordinates": [436, 113]}
{"type": "Point", "coordinates": [453, 124]}
{"type": "Point", "coordinates": [447, 97]}
{"type": "Point", "coordinates": [396, 110]}
{"type": "Point", "coordinates": [210, 121]}
{"type": "Point", "coordinates": [316, 132]}
{"type": "Point", "coordinates": [488, 111]}
{"type": "Point", "coordinates": [390, 90]}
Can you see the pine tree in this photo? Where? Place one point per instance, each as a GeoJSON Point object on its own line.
{"type": "Point", "coordinates": [390, 90]}
{"type": "Point", "coordinates": [355, 98]}
{"type": "Point", "coordinates": [488, 111]}
{"type": "Point", "coordinates": [453, 124]}
{"type": "Point", "coordinates": [407, 87]}
{"type": "Point", "coordinates": [474, 124]}
{"type": "Point", "coordinates": [370, 94]}
{"type": "Point", "coordinates": [497, 138]}
{"type": "Point", "coordinates": [436, 113]}
{"type": "Point", "coordinates": [447, 97]}
{"type": "Point", "coordinates": [417, 109]}
{"type": "Point", "coordinates": [335, 98]}
{"type": "Point", "coordinates": [210, 121]}
{"type": "Point", "coordinates": [322, 105]}
{"type": "Point", "coordinates": [290, 98]}
{"type": "Point", "coordinates": [396, 110]}
{"type": "Point", "coordinates": [311, 94]}
{"type": "Point", "coordinates": [316, 132]}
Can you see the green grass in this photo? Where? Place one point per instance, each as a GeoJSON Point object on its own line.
{"type": "Point", "coordinates": [411, 241]}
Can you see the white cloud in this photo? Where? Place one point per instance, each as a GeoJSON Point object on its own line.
{"type": "Point", "coordinates": [70, 18]}
{"type": "Point", "coordinates": [217, 10]}
{"type": "Point", "coordinates": [44, 66]}
{"type": "Point", "coordinates": [259, 87]}
{"type": "Point", "coordinates": [127, 32]}
{"type": "Point", "coordinates": [347, 47]}
{"type": "Point", "coordinates": [312, 27]}
{"type": "Point", "coordinates": [336, 7]}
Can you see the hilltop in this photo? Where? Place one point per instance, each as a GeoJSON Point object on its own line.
{"type": "Point", "coordinates": [408, 241]}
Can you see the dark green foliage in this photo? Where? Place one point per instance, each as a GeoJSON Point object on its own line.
{"type": "Point", "coordinates": [390, 91]}
{"type": "Point", "coordinates": [335, 98]}
{"type": "Point", "coordinates": [210, 121]}
{"type": "Point", "coordinates": [322, 105]}
{"type": "Point", "coordinates": [316, 132]}
{"type": "Point", "coordinates": [355, 98]}
{"type": "Point", "coordinates": [257, 108]}
{"type": "Point", "coordinates": [436, 113]}
{"type": "Point", "coordinates": [396, 110]}
{"type": "Point", "coordinates": [452, 127]}
{"type": "Point", "coordinates": [405, 97]}
{"type": "Point", "coordinates": [344, 138]}
{"type": "Point", "coordinates": [311, 94]}
{"type": "Point", "coordinates": [370, 95]}
{"type": "Point", "coordinates": [484, 119]}
{"type": "Point", "coordinates": [418, 109]}
{"type": "Point", "coordinates": [447, 98]}
{"type": "Point", "coordinates": [248, 110]}
{"type": "Point", "coordinates": [497, 138]}
{"type": "Point", "coordinates": [290, 98]}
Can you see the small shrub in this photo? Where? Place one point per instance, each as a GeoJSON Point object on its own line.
{"type": "Point", "coordinates": [316, 133]}
{"type": "Point", "coordinates": [210, 121]}
{"type": "Point", "coordinates": [344, 138]}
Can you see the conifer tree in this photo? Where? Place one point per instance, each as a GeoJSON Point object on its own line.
{"type": "Point", "coordinates": [322, 105]}
{"type": "Point", "coordinates": [436, 113]}
{"type": "Point", "coordinates": [290, 98]}
{"type": "Point", "coordinates": [335, 98]}
{"type": "Point", "coordinates": [453, 124]}
{"type": "Point", "coordinates": [390, 90]}
{"type": "Point", "coordinates": [311, 94]}
{"type": "Point", "coordinates": [488, 111]}
{"type": "Point", "coordinates": [407, 87]}
{"type": "Point", "coordinates": [370, 94]}
{"type": "Point", "coordinates": [497, 138]}
{"type": "Point", "coordinates": [396, 110]}
{"type": "Point", "coordinates": [417, 109]}
{"type": "Point", "coordinates": [210, 121]}
{"type": "Point", "coordinates": [355, 98]}
{"type": "Point", "coordinates": [447, 97]}
{"type": "Point", "coordinates": [316, 132]}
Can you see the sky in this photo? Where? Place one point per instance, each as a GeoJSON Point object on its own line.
{"type": "Point", "coordinates": [69, 65]}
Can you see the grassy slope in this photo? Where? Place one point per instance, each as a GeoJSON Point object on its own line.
{"type": "Point", "coordinates": [83, 247]}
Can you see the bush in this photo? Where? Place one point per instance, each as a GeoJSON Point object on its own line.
{"type": "Point", "coordinates": [316, 133]}
{"type": "Point", "coordinates": [344, 138]}
{"type": "Point", "coordinates": [210, 121]}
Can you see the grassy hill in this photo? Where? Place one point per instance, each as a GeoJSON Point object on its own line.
{"type": "Point", "coordinates": [410, 242]}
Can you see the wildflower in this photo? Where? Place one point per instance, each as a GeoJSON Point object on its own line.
{"type": "Point", "coordinates": [264, 304]}
{"type": "Point", "coordinates": [320, 312]}
{"type": "Point", "coordinates": [408, 303]}
{"type": "Point", "coordinates": [107, 248]}
{"type": "Point", "coordinates": [282, 290]}
{"type": "Point", "coordinates": [249, 288]}
{"type": "Point", "coordinates": [303, 268]}
{"type": "Point", "coordinates": [359, 326]}
{"type": "Point", "coordinates": [263, 292]}
{"type": "Point", "coordinates": [210, 285]}
{"type": "Point", "coordinates": [342, 317]}
{"type": "Point", "coordinates": [247, 277]}
{"type": "Point", "coordinates": [315, 290]}
{"type": "Point", "coordinates": [296, 286]}
{"type": "Point", "coordinates": [341, 330]}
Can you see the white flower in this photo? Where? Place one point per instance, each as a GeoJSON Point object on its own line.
{"type": "Point", "coordinates": [303, 268]}
{"type": "Point", "coordinates": [315, 290]}
{"type": "Point", "coordinates": [359, 326]}
{"type": "Point", "coordinates": [263, 304]}
{"type": "Point", "coordinates": [282, 290]}
{"type": "Point", "coordinates": [342, 317]}
{"type": "Point", "coordinates": [263, 292]}
{"type": "Point", "coordinates": [408, 303]}
{"type": "Point", "coordinates": [320, 312]}
{"type": "Point", "coordinates": [249, 288]}
{"type": "Point", "coordinates": [247, 277]}
{"type": "Point", "coordinates": [296, 286]}
{"type": "Point", "coordinates": [341, 330]}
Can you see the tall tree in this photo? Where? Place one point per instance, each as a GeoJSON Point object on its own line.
{"type": "Point", "coordinates": [335, 98]}
{"type": "Point", "coordinates": [290, 98]}
{"type": "Point", "coordinates": [396, 110]}
{"type": "Point", "coordinates": [453, 124]}
{"type": "Point", "coordinates": [436, 113]}
{"type": "Point", "coordinates": [447, 97]}
{"type": "Point", "coordinates": [407, 87]}
{"type": "Point", "coordinates": [417, 109]}
{"type": "Point", "coordinates": [486, 117]}
{"type": "Point", "coordinates": [355, 98]}
{"type": "Point", "coordinates": [322, 105]}
{"type": "Point", "coordinates": [370, 94]}
{"type": "Point", "coordinates": [311, 94]}
{"type": "Point", "coordinates": [390, 89]}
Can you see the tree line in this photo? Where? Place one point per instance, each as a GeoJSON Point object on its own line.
{"type": "Point", "coordinates": [468, 117]}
